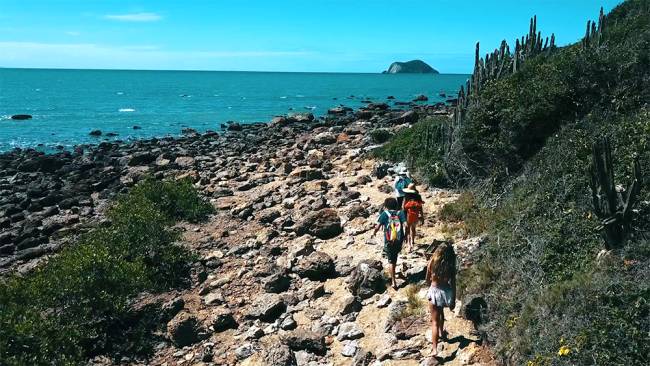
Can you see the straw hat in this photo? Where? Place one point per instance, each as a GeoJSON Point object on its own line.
{"type": "Point", "coordinates": [410, 189]}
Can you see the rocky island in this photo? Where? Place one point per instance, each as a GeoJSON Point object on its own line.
{"type": "Point", "coordinates": [410, 67]}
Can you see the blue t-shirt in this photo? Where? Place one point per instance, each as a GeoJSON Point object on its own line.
{"type": "Point", "coordinates": [384, 220]}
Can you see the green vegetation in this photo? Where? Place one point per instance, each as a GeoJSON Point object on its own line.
{"type": "Point", "coordinates": [417, 146]}
{"type": "Point", "coordinates": [380, 135]}
{"type": "Point", "coordinates": [77, 304]}
{"type": "Point", "coordinates": [526, 144]}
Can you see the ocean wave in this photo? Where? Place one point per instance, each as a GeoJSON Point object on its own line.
{"type": "Point", "coordinates": [126, 110]}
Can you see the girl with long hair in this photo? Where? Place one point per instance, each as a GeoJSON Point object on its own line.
{"type": "Point", "coordinates": [441, 274]}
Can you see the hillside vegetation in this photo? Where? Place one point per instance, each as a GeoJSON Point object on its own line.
{"type": "Point", "coordinates": [523, 148]}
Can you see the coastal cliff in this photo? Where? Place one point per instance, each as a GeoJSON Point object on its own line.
{"type": "Point", "coordinates": [410, 67]}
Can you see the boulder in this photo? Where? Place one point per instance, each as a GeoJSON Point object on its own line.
{"type": "Point", "coordinates": [349, 304]}
{"type": "Point", "coordinates": [21, 117]}
{"type": "Point", "coordinates": [183, 329]}
{"type": "Point", "coordinates": [367, 279]}
{"type": "Point", "coordinates": [276, 283]}
{"type": "Point", "coordinates": [474, 308]}
{"type": "Point", "coordinates": [307, 173]}
{"type": "Point", "coordinates": [95, 133]}
{"type": "Point", "coordinates": [317, 266]}
{"type": "Point", "coordinates": [280, 355]}
{"type": "Point", "coordinates": [303, 339]}
{"type": "Point", "coordinates": [141, 158]}
{"type": "Point", "coordinates": [421, 98]}
{"type": "Point", "coordinates": [234, 126]}
{"type": "Point", "coordinates": [222, 319]}
{"type": "Point", "coordinates": [267, 307]}
{"type": "Point", "coordinates": [324, 138]}
{"type": "Point", "coordinates": [323, 224]}
{"type": "Point", "coordinates": [348, 331]}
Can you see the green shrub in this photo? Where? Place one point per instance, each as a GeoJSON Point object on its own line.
{"type": "Point", "coordinates": [77, 304]}
{"type": "Point", "coordinates": [419, 147]}
{"type": "Point", "coordinates": [380, 135]}
{"type": "Point", "coordinates": [176, 199]}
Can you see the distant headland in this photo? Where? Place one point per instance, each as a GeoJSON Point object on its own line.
{"type": "Point", "coordinates": [410, 67]}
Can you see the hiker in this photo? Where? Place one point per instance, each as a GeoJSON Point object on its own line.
{"type": "Point", "coordinates": [402, 181]}
{"type": "Point", "coordinates": [414, 213]}
{"type": "Point", "coordinates": [392, 220]}
{"type": "Point", "coordinates": [441, 273]}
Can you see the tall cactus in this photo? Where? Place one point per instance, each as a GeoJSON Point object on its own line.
{"type": "Point", "coordinates": [611, 207]}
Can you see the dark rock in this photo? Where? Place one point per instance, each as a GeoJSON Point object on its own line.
{"type": "Point", "coordinates": [234, 126]}
{"type": "Point", "coordinates": [474, 309]}
{"type": "Point", "coordinates": [302, 339]}
{"type": "Point", "coordinates": [95, 133]}
{"type": "Point", "coordinates": [35, 252]}
{"type": "Point", "coordinates": [7, 249]}
{"type": "Point", "coordinates": [183, 329]}
{"type": "Point", "coordinates": [141, 158]}
{"type": "Point", "coordinates": [172, 307]}
{"type": "Point", "coordinates": [421, 98]}
{"type": "Point", "coordinates": [363, 359]}
{"type": "Point", "coordinates": [21, 117]}
{"type": "Point", "coordinates": [317, 266]}
{"type": "Point", "coordinates": [28, 243]}
{"type": "Point", "coordinates": [323, 224]}
{"type": "Point", "coordinates": [277, 283]}
{"type": "Point", "coordinates": [339, 110]}
{"type": "Point", "coordinates": [222, 319]}
{"type": "Point", "coordinates": [367, 279]}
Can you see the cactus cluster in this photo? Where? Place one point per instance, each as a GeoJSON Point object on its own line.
{"type": "Point", "coordinates": [500, 63]}
{"type": "Point", "coordinates": [594, 33]}
{"type": "Point", "coordinates": [612, 204]}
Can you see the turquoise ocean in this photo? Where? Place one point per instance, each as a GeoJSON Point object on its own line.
{"type": "Point", "coordinates": [67, 104]}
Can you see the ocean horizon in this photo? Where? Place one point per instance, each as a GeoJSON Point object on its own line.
{"type": "Point", "coordinates": [67, 104]}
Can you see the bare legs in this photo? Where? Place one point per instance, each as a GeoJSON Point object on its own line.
{"type": "Point", "coordinates": [391, 270]}
{"type": "Point", "coordinates": [411, 236]}
{"type": "Point", "coordinates": [437, 326]}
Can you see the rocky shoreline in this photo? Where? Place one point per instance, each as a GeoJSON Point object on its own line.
{"type": "Point", "coordinates": [287, 273]}
{"type": "Point", "coordinates": [46, 197]}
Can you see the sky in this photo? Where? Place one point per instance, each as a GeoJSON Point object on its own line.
{"type": "Point", "coordinates": [274, 35]}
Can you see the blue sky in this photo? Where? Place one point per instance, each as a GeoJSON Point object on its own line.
{"type": "Point", "coordinates": [279, 35]}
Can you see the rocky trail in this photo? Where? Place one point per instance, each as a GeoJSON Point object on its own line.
{"type": "Point", "coordinates": [330, 309]}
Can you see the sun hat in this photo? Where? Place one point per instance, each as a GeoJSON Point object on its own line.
{"type": "Point", "coordinates": [410, 189]}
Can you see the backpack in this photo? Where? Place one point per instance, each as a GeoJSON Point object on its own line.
{"type": "Point", "coordinates": [413, 208]}
{"type": "Point", "coordinates": [394, 232]}
{"type": "Point", "coordinates": [402, 183]}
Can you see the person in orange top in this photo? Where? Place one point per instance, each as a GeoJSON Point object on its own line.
{"type": "Point", "coordinates": [414, 213]}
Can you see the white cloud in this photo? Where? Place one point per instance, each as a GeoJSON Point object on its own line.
{"type": "Point", "coordinates": [134, 17]}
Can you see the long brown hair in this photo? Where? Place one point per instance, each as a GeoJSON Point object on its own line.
{"type": "Point", "coordinates": [442, 265]}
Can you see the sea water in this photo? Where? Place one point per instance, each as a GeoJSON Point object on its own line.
{"type": "Point", "coordinates": [67, 104]}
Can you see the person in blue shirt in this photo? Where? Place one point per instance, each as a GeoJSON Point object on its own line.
{"type": "Point", "coordinates": [402, 181]}
{"type": "Point", "coordinates": [392, 219]}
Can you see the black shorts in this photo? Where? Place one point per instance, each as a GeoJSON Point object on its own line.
{"type": "Point", "coordinates": [400, 200]}
{"type": "Point", "coordinates": [391, 251]}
